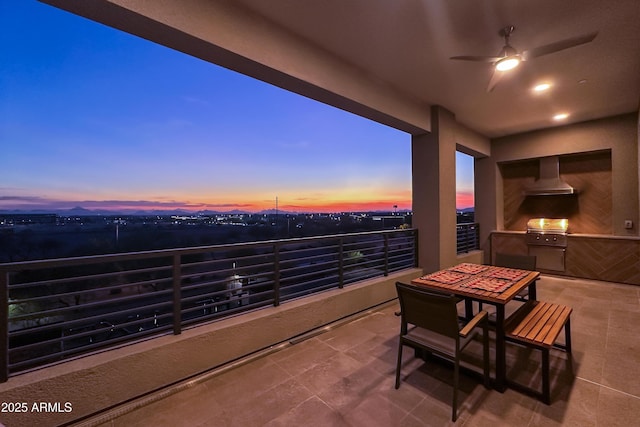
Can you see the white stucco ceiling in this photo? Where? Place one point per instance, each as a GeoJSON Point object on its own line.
{"type": "Point", "coordinates": [408, 43]}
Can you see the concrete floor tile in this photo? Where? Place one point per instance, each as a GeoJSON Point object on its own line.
{"type": "Point", "coordinates": [311, 412]}
{"type": "Point", "coordinates": [617, 409]}
{"type": "Point", "coordinates": [345, 377]}
{"type": "Point", "coordinates": [578, 407]}
{"type": "Point", "coordinates": [621, 373]}
{"type": "Point", "coordinates": [376, 411]}
{"type": "Point", "coordinates": [303, 356]}
{"type": "Point", "coordinates": [328, 373]}
{"type": "Point", "coordinates": [268, 405]}
{"type": "Point", "coordinates": [347, 337]}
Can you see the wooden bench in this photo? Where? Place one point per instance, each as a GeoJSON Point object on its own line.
{"type": "Point", "coordinates": [537, 324]}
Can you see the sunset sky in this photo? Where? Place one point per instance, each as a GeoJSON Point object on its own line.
{"type": "Point", "coordinates": [97, 118]}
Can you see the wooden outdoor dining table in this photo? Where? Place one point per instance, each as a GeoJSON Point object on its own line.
{"type": "Point", "coordinates": [489, 285]}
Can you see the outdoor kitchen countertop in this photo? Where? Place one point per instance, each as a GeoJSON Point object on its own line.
{"type": "Point", "coordinates": [603, 236]}
{"type": "Point", "coordinates": [570, 235]}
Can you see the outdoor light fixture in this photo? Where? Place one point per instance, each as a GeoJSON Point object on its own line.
{"type": "Point", "coordinates": [507, 63]}
{"type": "Point", "coordinates": [560, 116]}
{"type": "Point", "coordinates": [541, 87]}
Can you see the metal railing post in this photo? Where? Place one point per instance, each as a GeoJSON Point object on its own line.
{"type": "Point", "coordinates": [386, 254]}
{"type": "Point", "coordinates": [416, 248]}
{"type": "Point", "coordinates": [276, 274]}
{"type": "Point", "coordinates": [467, 237]}
{"type": "Point", "coordinates": [4, 326]}
{"type": "Point", "coordinates": [177, 300]}
{"type": "Point", "coordinates": [341, 263]}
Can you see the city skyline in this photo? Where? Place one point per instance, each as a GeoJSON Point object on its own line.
{"type": "Point", "coordinates": [97, 118]}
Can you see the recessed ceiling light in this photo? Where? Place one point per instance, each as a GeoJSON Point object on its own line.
{"type": "Point", "coordinates": [560, 116]}
{"type": "Point", "coordinates": [541, 87]}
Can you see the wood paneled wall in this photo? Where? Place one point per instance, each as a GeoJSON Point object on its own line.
{"type": "Point", "coordinates": [616, 260]}
{"type": "Point", "coordinates": [513, 244]}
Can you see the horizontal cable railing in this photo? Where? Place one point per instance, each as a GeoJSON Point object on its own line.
{"type": "Point", "coordinates": [468, 237]}
{"type": "Point", "coordinates": [52, 310]}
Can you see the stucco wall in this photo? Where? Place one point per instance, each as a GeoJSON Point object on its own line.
{"type": "Point", "coordinates": [434, 191]}
{"type": "Point", "coordinates": [99, 381]}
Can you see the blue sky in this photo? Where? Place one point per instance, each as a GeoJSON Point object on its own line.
{"type": "Point", "coordinates": [94, 117]}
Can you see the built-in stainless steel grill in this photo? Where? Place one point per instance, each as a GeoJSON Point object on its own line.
{"type": "Point", "coordinates": [547, 240]}
{"type": "Point", "coordinates": [547, 232]}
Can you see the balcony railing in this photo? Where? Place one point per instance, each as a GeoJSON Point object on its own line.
{"type": "Point", "coordinates": [468, 237]}
{"type": "Point", "coordinates": [55, 309]}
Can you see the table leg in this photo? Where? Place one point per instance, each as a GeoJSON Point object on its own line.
{"type": "Point", "coordinates": [468, 308]}
{"type": "Point", "coordinates": [501, 362]}
{"type": "Point", "coordinates": [532, 290]}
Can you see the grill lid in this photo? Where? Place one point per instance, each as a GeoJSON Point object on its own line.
{"type": "Point", "coordinates": [548, 225]}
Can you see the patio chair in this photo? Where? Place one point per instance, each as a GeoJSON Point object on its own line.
{"type": "Point", "coordinates": [429, 322]}
{"type": "Point", "coordinates": [522, 262]}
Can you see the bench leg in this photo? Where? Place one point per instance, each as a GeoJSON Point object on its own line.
{"type": "Point", "coordinates": [546, 393]}
{"type": "Point", "coordinates": [567, 336]}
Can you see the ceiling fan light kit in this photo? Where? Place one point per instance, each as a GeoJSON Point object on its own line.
{"type": "Point", "coordinates": [508, 63]}
{"type": "Point", "coordinates": [509, 58]}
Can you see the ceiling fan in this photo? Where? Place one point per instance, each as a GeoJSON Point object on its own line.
{"type": "Point", "coordinates": [509, 57]}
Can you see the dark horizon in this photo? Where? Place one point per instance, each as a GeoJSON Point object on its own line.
{"type": "Point", "coordinates": [80, 211]}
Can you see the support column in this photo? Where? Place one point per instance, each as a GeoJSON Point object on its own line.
{"type": "Point", "coordinates": [489, 201]}
{"type": "Point", "coordinates": [433, 159]}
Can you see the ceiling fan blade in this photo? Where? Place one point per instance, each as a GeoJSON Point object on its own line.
{"type": "Point", "coordinates": [495, 78]}
{"type": "Point", "coordinates": [558, 46]}
{"type": "Point", "coordinates": [478, 58]}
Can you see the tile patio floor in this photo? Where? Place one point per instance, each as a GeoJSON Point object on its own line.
{"type": "Point", "coordinates": [345, 377]}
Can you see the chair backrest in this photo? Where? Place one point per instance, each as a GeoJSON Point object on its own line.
{"type": "Point", "coordinates": [523, 262]}
{"type": "Point", "coordinates": [430, 310]}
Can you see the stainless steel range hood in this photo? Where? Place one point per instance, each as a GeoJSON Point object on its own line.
{"type": "Point", "coordinates": [549, 183]}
